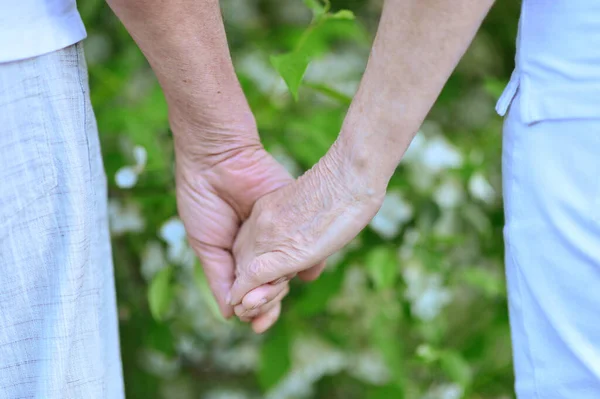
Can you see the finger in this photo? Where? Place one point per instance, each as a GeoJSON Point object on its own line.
{"type": "Point", "coordinates": [259, 297]}
{"type": "Point", "coordinates": [313, 273]}
{"type": "Point", "coordinates": [263, 269]}
{"type": "Point", "coordinates": [219, 269]}
{"type": "Point", "coordinates": [283, 279]}
{"type": "Point", "coordinates": [242, 311]}
{"type": "Point", "coordinates": [263, 322]}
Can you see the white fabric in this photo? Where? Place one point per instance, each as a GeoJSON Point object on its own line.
{"type": "Point", "coordinates": [29, 28]}
{"type": "Point", "coordinates": [558, 61]}
{"type": "Point", "coordinates": [58, 315]}
{"type": "Point", "coordinates": [551, 175]}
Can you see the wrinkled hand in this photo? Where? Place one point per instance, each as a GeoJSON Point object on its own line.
{"type": "Point", "coordinates": [301, 224]}
{"type": "Point", "coordinates": [215, 194]}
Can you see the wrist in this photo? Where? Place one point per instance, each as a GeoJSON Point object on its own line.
{"type": "Point", "coordinates": [201, 144]}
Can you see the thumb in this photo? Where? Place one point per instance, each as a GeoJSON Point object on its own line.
{"type": "Point", "coordinates": [262, 269]}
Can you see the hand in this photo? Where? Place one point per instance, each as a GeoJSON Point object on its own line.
{"type": "Point", "coordinates": [301, 224]}
{"type": "Point", "coordinates": [215, 193]}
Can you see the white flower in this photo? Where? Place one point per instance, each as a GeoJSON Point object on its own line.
{"type": "Point", "coordinates": [312, 359]}
{"type": "Point", "coordinates": [409, 240]}
{"type": "Point", "coordinates": [153, 259]}
{"type": "Point", "coordinates": [126, 177]}
{"type": "Point", "coordinates": [447, 224]}
{"type": "Point", "coordinates": [481, 189]}
{"type": "Point", "coordinates": [172, 231]}
{"type": "Point", "coordinates": [445, 391]}
{"type": "Point", "coordinates": [370, 367]}
{"type": "Point", "coordinates": [123, 219]}
{"type": "Point", "coordinates": [393, 214]}
{"type": "Point", "coordinates": [158, 363]}
{"type": "Point", "coordinates": [425, 292]}
{"type": "Point", "coordinates": [241, 358]}
{"type": "Point", "coordinates": [187, 346]}
{"type": "Point", "coordinates": [449, 194]}
{"type": "Point", "coordinates": [141, 157]}
{"type": "Point", "coordinates": [222, 393]}
{"type": "Point", "coordinates": [439, 155]}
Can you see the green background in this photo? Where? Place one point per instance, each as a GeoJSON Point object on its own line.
{"type": "Point", "coordinates": [415, 307]}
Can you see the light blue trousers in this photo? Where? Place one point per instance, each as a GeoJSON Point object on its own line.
{"type": "Point", "coordinates": [58, 319]}
{"type": "Point", "coordinates": [552, 201]}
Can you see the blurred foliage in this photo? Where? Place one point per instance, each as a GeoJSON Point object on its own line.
{"type": "Point", "coordinates": [415, 307]}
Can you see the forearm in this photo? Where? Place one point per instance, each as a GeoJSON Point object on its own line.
{"type": "Point", "coordinates": [418, 44]}
{"type": "Point", "coordinates": [185, 44]}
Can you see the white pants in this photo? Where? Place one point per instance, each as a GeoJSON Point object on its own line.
{"type": "Point", "coordinates": [552, 201]}
{"type": "Point", "coordinates": [58, 316]}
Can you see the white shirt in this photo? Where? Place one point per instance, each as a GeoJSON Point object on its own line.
{"type": "Point", "coordinates": [34, 27]}
{"type": "Point", "coordinates": [558, 61]}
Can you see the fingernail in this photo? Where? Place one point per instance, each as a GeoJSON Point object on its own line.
{"type": "Point", "coordinates": [260, 303]}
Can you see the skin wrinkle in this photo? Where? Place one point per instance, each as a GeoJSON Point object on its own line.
{"type": "Point", "coordinates": [185, 43]}
{"type": "Point", "coordinates": [325, 208]}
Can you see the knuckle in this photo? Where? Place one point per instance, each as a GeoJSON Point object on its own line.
{"type": "Point", "coordinates": [255, 270]}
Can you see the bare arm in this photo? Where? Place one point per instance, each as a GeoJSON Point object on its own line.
{"type": "Point", "coordinates": [222, 168]}
{"type": "Point", "coordinates": [185, 44]}
{"type": "Point", "coordinates": [418, 44]}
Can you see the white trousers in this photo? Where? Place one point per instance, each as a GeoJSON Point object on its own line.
{"type": "Point", "coordinates": [58, 316]}
{"type": "Point", "coordinates": [552, 201]}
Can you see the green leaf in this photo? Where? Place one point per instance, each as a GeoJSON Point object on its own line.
{"type": "Point", "coordinates": [205, 292]}
{"type": "Point", "coordinates": [456, 368]}
{"type": "Point", "coordinates": [343, 14]}
{"type": "Point", "coordinates": [275, 356]}
{"type": "Point", "coordinates": [330, 92]}
{"type": "Point", "coordinates": [316, 7]}
{"type": "Point", "coordinates": [382, 266]}
{"type": "Point", "coordinates": [291, 67]}
{"type": "Point", "coordinates": [161, 294]}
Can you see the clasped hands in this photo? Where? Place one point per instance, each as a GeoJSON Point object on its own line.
{"type": "Point", "coordinates": [254, 227]}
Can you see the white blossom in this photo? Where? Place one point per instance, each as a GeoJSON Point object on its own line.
{"type": "Point", "coordinates": [445, 391]}
{"type": "Point", "coordinates": [158, 363]}
{"type": "Point", "coordinates": [481, 189]}
{"type": "Point", "coordinates": [312, 359]}
{"type": "Point", "coordinates": [153, 259]}
{"type": "Point", "coordinates": [425, 292]}
{"type": "Point", "coordinates": [223, 393]}
{"type": "Point", "coordinates": [439, 155]}
{"type": "Point", "coordinates": [370, 367]}
{"type": "Point", "coordinates": [241, 358]}
{"type": "Point", "coordinates": [126, 177]}
{"type": "Point", "coordinates": [172, 231]}
{"type": "Point", "coordinates": [394, 212]}
{"type": "Point", "coordinates": [141, 157]}
{"type": "Point", "coordinates": [124, 218]}
{"type": "Point", "coordinates": [449, 194]}
{"type": "Point", "coordinates": [447, 224]}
